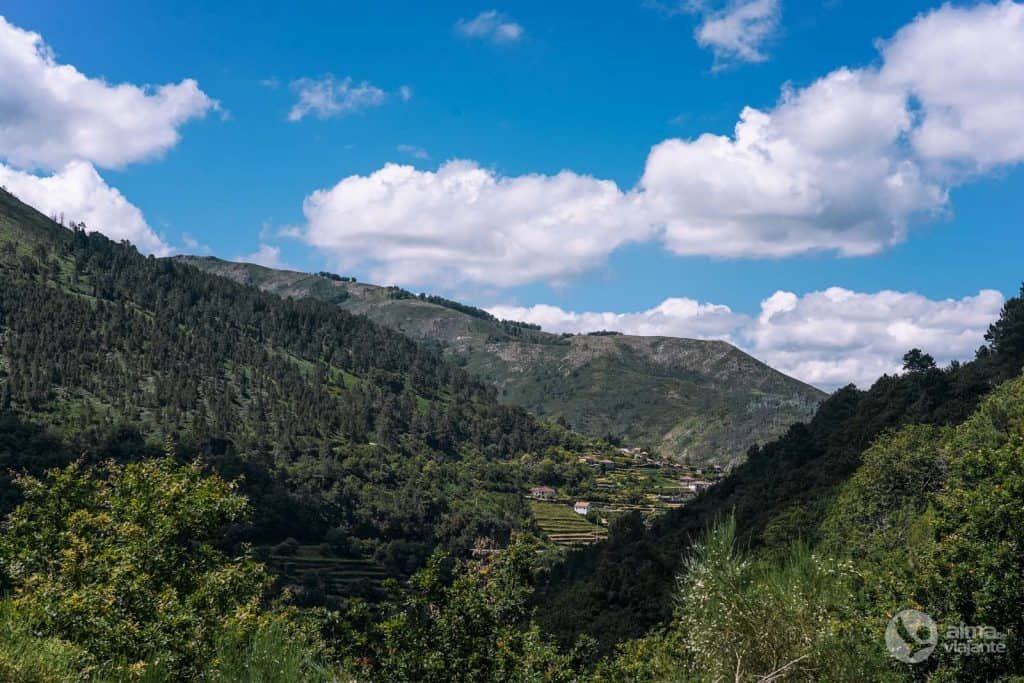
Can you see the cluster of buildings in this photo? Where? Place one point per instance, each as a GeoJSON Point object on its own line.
{"type": "Point", "coordinates": [543, 493]}
{"type": "Point", "coordinates": [604, 465]}
{"type": "Point", "coordinates": [548, 493]}
{"type": "Point", "coordinates": [691, 481]}
{"type": "Point", "coordinates": [695, 485]}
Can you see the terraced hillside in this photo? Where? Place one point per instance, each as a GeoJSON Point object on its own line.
{"type": "Point", "coordinates": [309, 570]}
{"type": "Point", "coordinates": [564, 527]}
{"type": "Point", "coordinates": [621, 481]}
{"type": "Point", "coordinates": [705, 402]}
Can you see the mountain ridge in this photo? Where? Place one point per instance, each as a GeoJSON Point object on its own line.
{"type": "Point", "coordinates": [701, 401]}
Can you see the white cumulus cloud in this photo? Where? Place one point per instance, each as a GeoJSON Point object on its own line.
{"type": "Point", "coordinates": [267, 255]}
{"type": "Point", "coordinates": [837, 336]}
{"type": "Point", "coordinates": [491, 25]}
{"type": "Point", "coordinates": [673, 317]}
{"type": "Point", "coordinates": [848, 164]}
{"type": "Point", "coordinates": [737, 31]}
{"type": "Point", "coordinates": [823, 170]}
{"type": "Point", "coordinates": [57, 125]}
{"type": "Point", "coordinates": [51, 113]}
{"type": "Point", "coordinates": [964, 66]}
{"type": "Point", "coordinates": [79, 194]}
{"type": "Point", "coordinates": [327, 97]}
{"type": "Point", "coordinates": [827, 338]}
{"type": "Point", "coordinates": [467, 223]}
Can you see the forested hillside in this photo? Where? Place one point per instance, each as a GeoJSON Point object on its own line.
{"type": "Point", "coordinates": [343, 430]}
{"type": "Point", "coordinates": [155, 418]}
{"type": "Point", "coordinates": [779, 496]}
{"type": "Point", "coordinates": [691, 400]}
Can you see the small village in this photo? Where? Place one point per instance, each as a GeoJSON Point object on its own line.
{"type": "Point", "coordinates": [631, 479]}
{"type": "Point", "coordinates": [620, 480]}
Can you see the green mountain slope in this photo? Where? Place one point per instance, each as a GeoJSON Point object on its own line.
{"type": "Point", "coordinates": [702, 401]}
{"type": "Point", "coordinates": [345, 432]}
{"type": "Point", "coordinates": [780, 495]}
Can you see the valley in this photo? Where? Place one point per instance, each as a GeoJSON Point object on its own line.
{"type": "Point", "coordinates": [287, 476]}
{"type": "Point", "coordinates": [662, 341]}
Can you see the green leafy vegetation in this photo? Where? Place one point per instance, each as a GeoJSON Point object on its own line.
{"type": "Point", "coordinates": [742, 618]}
{"type": "Point", "coordinates": [118, 566]}
{"type": "Point", "coordinates": [204, 481]}
{"type": "Point", "coordinates": [124, 559]}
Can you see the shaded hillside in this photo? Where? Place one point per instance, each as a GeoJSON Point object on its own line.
{"type": "Point", "coordinates": [702, 401]}
{"type": "Point", "coordinates": [344, 431]}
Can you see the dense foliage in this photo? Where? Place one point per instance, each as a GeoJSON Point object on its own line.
{"type": "Point", "coordinates": [934, 519]}
{"type": "Point", "coordinates": [475, 627]}
{"type": "Point", "coordinates": [681, 398]}
{"type": "Point", "coordinates": [744, 618]}
{"type": "Point", "coordinates": [123, 562]}
{"type": "Point", "coordinates": [931, 520]}
{"type": "Point", "coordinates": [116, 572]}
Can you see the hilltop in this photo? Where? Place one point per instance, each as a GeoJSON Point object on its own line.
{"type": "Point", "coordinates": [705, 402]}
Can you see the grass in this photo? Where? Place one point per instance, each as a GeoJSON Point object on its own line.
{"type": "Point", "coordinates": [272, 655]}
{"type": "Point", "coordinates": [563, 526]}
{"type": "Point", "coordinates": [32, 659]}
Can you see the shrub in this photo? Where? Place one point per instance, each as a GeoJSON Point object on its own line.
{"type": "Point", "coordinates": [277, 651]}
{"type": "Point", "coordinates": [742, 619]}
{"type": "Point", "coordinates": [120, 560]}
{"type": "Point", "coordinates": [288, 547]}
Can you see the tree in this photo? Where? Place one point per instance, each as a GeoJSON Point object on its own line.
{"type": "Point", "coordinates": [916, 360]}
{"type": "Point", "coordinates": [932, 520]}
{"type": "Point", "coordinates": [1006, 337]}
{"type": "Point", "coordinates": [121, 560]}
{"type": "Point", "coordinates": [979, 521]}
{"type": "Point", "coordinates": [476, 628]}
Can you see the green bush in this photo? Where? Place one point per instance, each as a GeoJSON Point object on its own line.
{"type": "Point", "coordinates": [476, 628]}
{"type": "Point", "coordinates": [27, 658]}
{"type": "Point", "coordinates": [738, 618]}
{"type": "Point", "coordinates": [288, 547]}
{"type": "Point", "coordinates": [276, 651]}
{"type": "Point", "coordinates": [120, 560]}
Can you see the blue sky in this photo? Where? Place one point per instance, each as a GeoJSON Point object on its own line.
{"type": "Point", "coordinates": [538, 88]}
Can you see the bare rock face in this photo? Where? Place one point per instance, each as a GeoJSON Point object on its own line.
{"type": "Point", "coordinates": [705, 402]}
